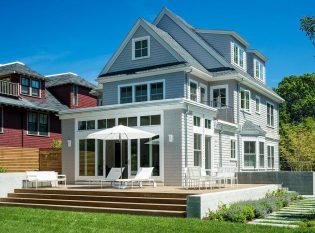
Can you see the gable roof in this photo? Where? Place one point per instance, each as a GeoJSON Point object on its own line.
{"type": "Point", "coordinates": [161, 36]}
{"type": "Point", "coordinates": [18, 68]}
{"type": "Point", "coordinates": [50, 103]}
{"type": "Point", "coordinates": [251, 129]}
{"type": "Point", "coordinates": [192, 32]}
{"type": "Point", "coordinates": [66, 78]}
{"type": "Point", "coordinates": [258, 54]}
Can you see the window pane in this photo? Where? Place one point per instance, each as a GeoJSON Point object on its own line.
{"type": "Point", "coordinates": [138, 53]}
{"type": "Point", "coordinates": [134, 157]}
{"type": "Point", "coordinates": [144, 153]}
{"type": "Point", "coordinates": [90, 125]}
{"type": "Point", "coordinates": [43, 124]}
{"type": "Point", "coordinates": [132, 121]}
{"type": "Point", "coordinates": [25, 82]}
{"type": "Point", "coordinates": [155, 145]}
{"type": "Point", "coordinates": [75, 95]}
{"type": "Point", "coordinates": [156, 91]}
{"type": "Point", "coordinates": [110, 123]}
{"type": "Point", "coordinates": [35, 84]}
{"type": "Point", "coordinates": [138, 45]}
{"type": "Point", "coordinates": [249, 154]}
{"type": "Point", "coordinates": [100, 159]}
{"type": "Point", "coordinates": [203, 97]}
{"type": "Point", "coordinates": [196, 121]}
{"type": "Point", "coordinates": [144, 120]}
{"type": "Point", "coordinates": [144, 43]}
{"type": "Point", "coordinates": [144, 52]}
{"type": "Point", "coordinates": [32, 123]}
{"type": "Point", "coordinates": [197, 150]}
{"type": "Point", "coordinates": [193, 91]}
{"type": "Point", "coordinates": [155, 120]}
{"type": "Point", "coordinates": [101, 124]}
{"type": "Point", "coordinates": [125, 95]}
{"type": "Point", "coordinates": [207, 124]}
{"type": "Point", "coordinates": [82, 125]}
{"type": "Point", "coordinates": [141, 93]}
{"type": "Point", "coordinates": [87, 157]}
{"type": "Point", "coordinates": [122, 121]}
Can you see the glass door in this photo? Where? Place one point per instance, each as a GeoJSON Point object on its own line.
{"type": "Point", "coordinates": [87, 157]}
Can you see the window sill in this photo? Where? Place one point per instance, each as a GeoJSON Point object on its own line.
{"type": "Point", "coordinates": [271, 127]}
{"type": "Point", "coordinates": [245, 111]}
{"type": "Point", "coordinates": [233, 160]}
{"type": "Point", "coordinates": [258, 113]}
{"type": "Point", "coordinates": [139, 58]}
{"type": "Point", "coordinates": [37, 97]}
{"type": "Point", "coordinates": [36, 135]}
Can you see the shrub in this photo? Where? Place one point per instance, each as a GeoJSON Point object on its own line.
{"type": "Point", "coordinates": [3, 170]}
{"type": "Point", "coordinates": [261, 210]}
{"type": "Point", "coordinates": [219, 214]}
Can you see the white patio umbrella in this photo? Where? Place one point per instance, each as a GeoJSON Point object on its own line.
{"type": "Point", "coordinates": [120, 133]}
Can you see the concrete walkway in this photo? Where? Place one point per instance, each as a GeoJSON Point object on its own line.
{"type": "Point", "coordinates": [292, 216]}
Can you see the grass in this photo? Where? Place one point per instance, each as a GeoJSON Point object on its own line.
{"type": "Point", "coordinates": [36, 220]}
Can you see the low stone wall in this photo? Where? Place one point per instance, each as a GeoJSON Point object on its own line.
{"type": "Point", "coordinates": [10, 181]}
{"type": "Point", "coordinates": [301, 182]}
{"type": "Point", "coordinates": [199, 205]}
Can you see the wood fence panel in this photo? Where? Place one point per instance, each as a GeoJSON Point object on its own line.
{"type": "Point", "coordinates": [50, 160]}
{"type": "Point", "coordinates": [17, 159]}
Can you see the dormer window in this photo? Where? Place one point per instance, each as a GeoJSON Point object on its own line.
{"type": "Point", "coordinates": [238, 56]}
{"type": "Point", "coordinates": [141, 48]}
{"type": "Point", "coordinates": [30, 87]}
{"type": "Point", "coordinates": [259, 70]}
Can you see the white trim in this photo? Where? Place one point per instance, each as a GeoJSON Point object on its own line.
{"type": "Point", "coordinates": [261, 69]}
{"type": "Point", "coordinates": [226, 86]}
{"type": "Point", "coordinates": [274, 120]}
{"type": "Point", "coordinates": [184, 27]}
{"type": "Point", "coordinates": [133, 85]}
{"type": "Point", "coordinates": [234, 138]}
{"type": "Point", "coordinates": [249, 100]}
{"type": "Point", "coordinates": [258, 54]}
{"type": "Point", "coordinates": [259, 104]}
{"type": "Point", "coordinates": [134, 40]}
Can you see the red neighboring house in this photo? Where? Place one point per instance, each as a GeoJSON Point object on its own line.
{"type": "Point", "coordinates": [30, 102]}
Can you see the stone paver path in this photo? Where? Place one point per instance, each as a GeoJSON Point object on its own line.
{"type": "Point", "coordinates": [292, 216]}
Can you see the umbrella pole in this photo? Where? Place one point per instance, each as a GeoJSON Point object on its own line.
{"type": "Point", "coordinates": [121, 172]}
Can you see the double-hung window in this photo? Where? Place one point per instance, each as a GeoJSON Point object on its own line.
{"type": "Point", "coordinates": [141, 93]}
{"type": "Point", "coordinates": [196, 121]}
{"type": "Point", "coordinates": [25, 86]}
{"type": "Point", "coordinates": [126, 94]}
{"type": "Point", "coordinates": [219, 97]}
{"type": "Point", "coordinates": [257, 107]}
{"type": "Point", "coordinates": [156, 91]}
{"type": "Point", "coordinates": [197, 149]}
{"type": "Point", "coordinates": [37, 124]}
{"type": "Point", "coordinates": [141, 48]}
{"type": "Point", "coordinates": [35, 88]}
{"type": "Point", "coordinates": [150, 120]}
{"type": "Point", "coordinates": [270, 115]}
{"type": "Point", "coordinates": [239, 55]}
{"type": "Point", "coordinates": [271, 156]}
{"type": "Point", "coordinates": [203, 94]}
{"type": "Point", "coordinates": [233, 149]}
{"type": "Point", "coordinates": [259, 70]}
{"type": "Point", "coordinates": [193, 90]}
{"type": "Point", "coordinates": [207, 124]}
{"type": "Point", "coordinates": [245, 100]}
{"type": "Point", "coordinates": [249, 154]}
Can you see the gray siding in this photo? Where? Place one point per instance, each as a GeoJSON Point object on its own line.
{"type": "Point", "coordinates": [68, 153]}
{"type": "Point", "coordinates": [187, 42]}
{"type": "Point", "coordinates": [221, 43]}
{"type": "Point", "coordinates": [158, 54]}
{"type": "Point", "coordinates": [174, 86]}
{"type": "Point", "coordinates": [173, 156]}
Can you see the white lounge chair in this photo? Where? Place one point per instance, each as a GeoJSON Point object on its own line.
{"type": "Point", "coordinates": [144, 174]}
{"type": "Point", "coordinates": [113, 175]}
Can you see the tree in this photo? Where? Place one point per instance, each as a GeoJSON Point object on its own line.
{"type": "Point", "coordinates": [307, 24]}
{"type": "Point", "coordinates": [299, 95]}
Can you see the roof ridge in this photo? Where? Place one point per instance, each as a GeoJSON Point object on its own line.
{"type": "Point", "coordinates": [11, 63]}
{"type": "Point", "coordinates": [52, 75]}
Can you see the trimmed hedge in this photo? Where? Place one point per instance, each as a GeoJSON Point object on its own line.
{"type": "Point", "coordinates": [248, 210]}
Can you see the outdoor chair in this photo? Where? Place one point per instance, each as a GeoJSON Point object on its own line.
{"type": "Point", "coordinates": [45, 176]}
{"type": "Point", "coordinates": [144, 174]}
{"type": "Point", "coordinates": [113, 175]}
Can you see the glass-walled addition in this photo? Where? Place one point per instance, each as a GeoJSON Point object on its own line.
{"type": "Point", "coordinates": [87, 157]}
{"type": "Point", "coordinates": [150, 154]}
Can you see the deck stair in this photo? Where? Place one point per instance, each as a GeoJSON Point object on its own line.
{"type": "Point", "coordinates": [128, 202]}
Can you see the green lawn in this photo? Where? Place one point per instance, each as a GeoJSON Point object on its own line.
{"type": "Point", "coordinates": [18, 220]}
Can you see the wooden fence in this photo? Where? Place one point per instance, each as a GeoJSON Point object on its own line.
{"type": "Point", "coordinates": [16, 159]}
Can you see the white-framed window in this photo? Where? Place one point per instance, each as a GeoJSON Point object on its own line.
{"type": "Point", "coordinates": [203, 94]}
{"type": "Point", "coordinates": [250, 154]}
{"type": "Point", "coordinates": [75, 99]}
{"type": "Point", "coordinates": [127, 121]}
{"type": "Point", "coordinates": [233, 149]}
{"type": "Point", "coordinates": [261, 154]}
{"type": "Point", "coordinates": [197, 121]}
{"type": "Point", "coordinates": [30, 87]}
{"type": "Point", "coordinates": [270, 115]}
{"type": "Point", "coordinates": [239, 56]}
{"type": "Point", "coordinates": [86, 125]}
{"type": "Point", "coordinates": [219, 96]}
{"type": "Point", "coordinates": [245, 100]}
{"type": "Point", "coordinates": [197, 149]}
{"type": "Point", "coordinates": [37, 124]}
{"type": "Point", "coordinates": [150, 120]}
{"type": "Point", "coordinates": [259, 70]}
{"type": "Point", "coordinates": [140, 48]}
{"type": "Point", "coordinates": [271, 156]}
{"type": "Point", "coordinates": [257, 106]}
{"type": "Point", "coordinates": [207, 124]}
{"type": "Point", "coordinates": [105, 123]}
{"type": "Point", "coordinates": [139, 92]}
{"type": "Point", "coordinates": [193, 90]}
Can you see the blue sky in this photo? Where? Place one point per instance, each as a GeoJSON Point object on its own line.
{"type": "Point", "coordinates": [80, 36]}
